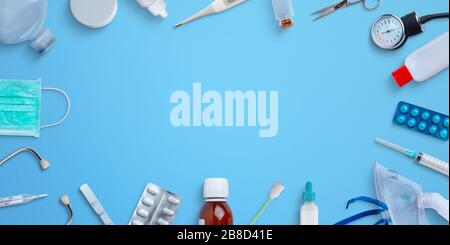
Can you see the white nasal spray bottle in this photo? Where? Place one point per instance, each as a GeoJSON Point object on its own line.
{"type": "Point", "coordinates": [309, 212]}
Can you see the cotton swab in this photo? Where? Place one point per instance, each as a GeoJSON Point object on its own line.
{"type": "Point", "coordinates": [275, 192]}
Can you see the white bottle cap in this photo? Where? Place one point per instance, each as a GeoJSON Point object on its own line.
{"type": "Point", "coordinates": [215, 188]}
{"type": "Point", "coordinates": [42, 42]}
{"type": "Point", "coordinates": [156, 7]}
{"type": "Point", "coordinates": [94, 13]}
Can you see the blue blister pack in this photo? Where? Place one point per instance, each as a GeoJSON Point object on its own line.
{"type": "Point", "coordinates": [421, 120]}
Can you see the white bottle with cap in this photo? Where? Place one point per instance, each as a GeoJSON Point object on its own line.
{"type": "Point", "coordinates": [156, 7]}
{"type": "Point", "coordinates": [309, 212]}
{"type": "Point", "coordinates": [425, 62]}
{"type": "Point", "coordinates": [215, 211]}
{"type": "Point", "coordinates": [22, 21]}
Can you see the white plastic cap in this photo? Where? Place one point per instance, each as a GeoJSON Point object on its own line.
{"type": "Point", "coordinates": [43, 41]}
{"type": "Point", "coordinates": [215, 188]}
{"type": "Point", "coordinates": [156, 7]}
{"type": "Point", "coordinates": [94, 13]}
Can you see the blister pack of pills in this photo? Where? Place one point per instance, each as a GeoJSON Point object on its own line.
{"type": "Point", "coordinates": [421, 120]}
{"type": "Point", "coordinates": [156, 207]}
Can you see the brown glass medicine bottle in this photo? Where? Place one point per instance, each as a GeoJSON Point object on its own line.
{"type": "Point", "coordinates": [215, 211]}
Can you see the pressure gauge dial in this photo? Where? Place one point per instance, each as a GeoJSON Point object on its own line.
{"type": "Point", "coordinates": [388, 32]}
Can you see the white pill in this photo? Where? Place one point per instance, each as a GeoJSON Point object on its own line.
{"type": "Point", "coordinates": [173, 200]}
{"type": "Point", "coordinates": [143, 213]}
{"type": "Point", "coordinates": [153, 189]}
{"type": "Point", "coordinates": [162, 222]}
{"type": "Point", "coordinates": [168, 212]}
{"type": "Point", "coordinates": [137, 222]}
{"type": "Point", "coordinates": [148, 202]}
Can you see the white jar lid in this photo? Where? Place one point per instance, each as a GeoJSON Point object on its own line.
{"type": "Point", "coordinates": [94, 13]}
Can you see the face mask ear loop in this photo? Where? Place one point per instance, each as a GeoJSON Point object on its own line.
{"type": "Point", "coordinates": [67, 110]}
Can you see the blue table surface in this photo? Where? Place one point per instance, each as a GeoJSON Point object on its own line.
{"type": "Point", "coordinates": [335, 97]}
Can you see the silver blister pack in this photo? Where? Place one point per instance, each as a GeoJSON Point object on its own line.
{"type": "Point", "coordinates": [156, 207]}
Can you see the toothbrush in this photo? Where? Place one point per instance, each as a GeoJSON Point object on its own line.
{"type": "Point", "coordinates": [215, 7]}
{"type": "Point", "coordinates": [274, 193]}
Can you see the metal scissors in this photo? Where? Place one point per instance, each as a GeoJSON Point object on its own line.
{"type": "Point", "coordinates": [346, 3]}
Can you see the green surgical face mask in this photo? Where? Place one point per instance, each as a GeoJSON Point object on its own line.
{"type": "Point", "coordinates": [20, 107]}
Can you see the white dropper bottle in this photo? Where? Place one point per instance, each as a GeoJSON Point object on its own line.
{"type": "Point", "coordinates": [155, 7]}
{"type": "Point", "coordinates": [309, 212]}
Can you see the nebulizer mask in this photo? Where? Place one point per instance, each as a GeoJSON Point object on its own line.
{"type": "Point", "coordinates": [400, 201]}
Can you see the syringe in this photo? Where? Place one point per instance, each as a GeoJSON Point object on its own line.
{"type": "Point", "coordinates": [19, 199]}
{"type": "Point", "coordinates": [422, 158]}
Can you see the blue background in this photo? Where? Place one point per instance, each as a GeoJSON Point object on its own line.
{"type": "Point", "coordinates": [335, 97]}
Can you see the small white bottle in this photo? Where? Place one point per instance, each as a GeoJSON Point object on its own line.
{"type": "Point", "coordinates": [309, 212]}
{"type": "Point", "coordinates": [284, 12]}
{"type": "Point", "coordinates": [425, 62]}
{"type": "Point", "coordinates": [155, 7]}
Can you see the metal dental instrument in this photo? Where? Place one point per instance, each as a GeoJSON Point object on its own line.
{"type": "Point", "coordinates": [66, 202]}
{"type": "Point", "coordinates": [344, 4]}
{"type": "Point", "coordinates": [421, 158]}
{"type": "Point", "coordinates": [42, 162]}
{"type": "Point", "coordinates": [215, 7]}
{"type": "Point", "coordinates": [19, 199]}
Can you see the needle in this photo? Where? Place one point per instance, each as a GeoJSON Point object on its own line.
{"type": "Point", "coordinates": [388, 31]}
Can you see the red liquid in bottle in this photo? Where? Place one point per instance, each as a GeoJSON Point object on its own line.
{"type": "Point", "coordinates": [216, 211]}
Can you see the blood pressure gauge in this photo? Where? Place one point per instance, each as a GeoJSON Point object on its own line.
{"type": "Point", "coordinates": [391, 32]}
{"type": "Point", "coordinates": [388, 32]}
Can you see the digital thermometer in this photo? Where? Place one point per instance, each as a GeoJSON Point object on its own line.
{"type": "Point", "coordinates": [215, 7]}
